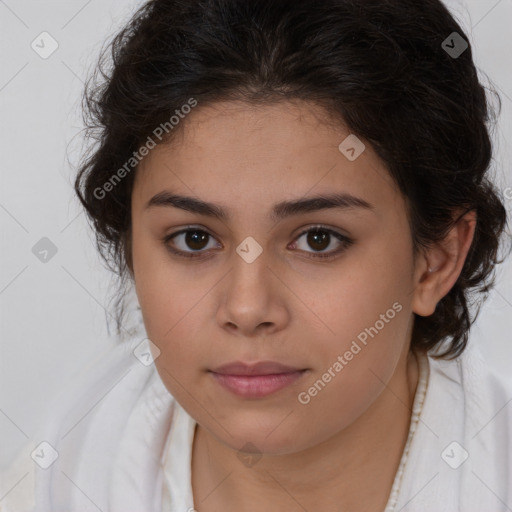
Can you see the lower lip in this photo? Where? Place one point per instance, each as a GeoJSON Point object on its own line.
{"type": "Point", "coordinates": [257, 386]}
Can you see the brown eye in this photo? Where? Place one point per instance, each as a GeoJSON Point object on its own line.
{"type": "Point", "coordinates": [320, 238]}
{"type": "Point", "coordinates": [196, 239]}
{"type": "Point", "coordinates": [193, 243]}
{"type": "Point", "coordinates": [187, 242]}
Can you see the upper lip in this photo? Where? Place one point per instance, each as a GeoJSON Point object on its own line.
{"type": "Point", "coordinates": [259, 368]}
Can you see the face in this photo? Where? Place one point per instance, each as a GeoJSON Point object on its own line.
{"type": "Point", "coordinates": [325, 291]}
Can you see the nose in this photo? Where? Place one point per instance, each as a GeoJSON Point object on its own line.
{"type": "Point", "coordinates": [253, 300]}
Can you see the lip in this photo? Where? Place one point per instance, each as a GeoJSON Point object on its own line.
{"type": "Point", "coordinates": [256, 380]}
{"type": "Point", "coordinates": [259, 368]}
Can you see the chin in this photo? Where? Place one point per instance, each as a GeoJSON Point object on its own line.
{"type": "Point", "coordinates": [257, 435]}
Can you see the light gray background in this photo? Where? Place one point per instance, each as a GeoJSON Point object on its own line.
{"type": "Point", "coordinates": [53, 319]}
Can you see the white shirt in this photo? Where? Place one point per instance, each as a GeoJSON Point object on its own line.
{"type": "Point", "coordinates": [124, 444]}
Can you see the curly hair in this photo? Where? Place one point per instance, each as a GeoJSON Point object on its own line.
{"type": "Point", "coordinates": [379, 67]}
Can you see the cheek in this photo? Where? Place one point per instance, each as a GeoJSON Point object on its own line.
{"type": "Point", "coordinates": [354, 364]}
{"type": "Point", "coordinates": [160, 285]}
{"type": "Point", "coordinates": [170, 302]}
{"type": "Point", "coordinates": [174, 324]}
{"type": "Point", "coordinates": [365, 313]}
{"type": "Point", "coordinates": [359, 295]}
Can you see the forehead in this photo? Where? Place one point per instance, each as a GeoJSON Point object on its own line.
{"type": "Point", "coordinates": [237, 154]}
{"type": "Point", "coordinates": [240, 127]}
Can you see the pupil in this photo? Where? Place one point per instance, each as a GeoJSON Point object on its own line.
{"type": "Point", "coordinates": [193, 237]}
{"type": "Point", "coordinates": [314, 237]}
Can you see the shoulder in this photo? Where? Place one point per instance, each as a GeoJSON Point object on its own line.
{"type": "Point", "coordinates": [474, 405]}
{"type": "Point", "coordinates": [82, 429]}
{"type": "Point", "coordinates": [459, 457]}
{"type": "Point", "coordinates": [485, 388]}
{"type": "Point", "coordinates": [483, 392]}
{"type": "Point", "coordinates": [488, 397]}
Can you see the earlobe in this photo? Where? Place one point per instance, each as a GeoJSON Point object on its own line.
{"type": "Point", "coordinates": [424, 298]}
{"type": "Point", "coordinates": [440, 265]}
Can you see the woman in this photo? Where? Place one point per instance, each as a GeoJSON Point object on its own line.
{"type": "Point", "coordinates": [297, 194]}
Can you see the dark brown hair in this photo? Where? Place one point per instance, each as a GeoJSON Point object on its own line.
{"type": "Point", "coordinates": [381, 67]}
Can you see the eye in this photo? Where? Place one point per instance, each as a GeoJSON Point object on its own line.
{"type": "Point", "coordinates": [320, 238]}
{"type": "Point", "coordinates": [193, 238]}
{"type": "Point", "coordinates": [196, 239]}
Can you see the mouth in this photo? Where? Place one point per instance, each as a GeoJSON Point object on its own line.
{"type": "Point", "coordinates": [256, 380]}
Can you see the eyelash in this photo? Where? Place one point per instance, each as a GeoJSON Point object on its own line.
{"type": "Point", "coordinates": [346, 243]}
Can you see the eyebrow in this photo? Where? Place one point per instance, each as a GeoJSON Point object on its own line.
{"type": "Point", "coordinates": [279, 211]}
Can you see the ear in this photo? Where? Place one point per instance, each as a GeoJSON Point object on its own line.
{"type": "Point", "coordinates": [439, 267]}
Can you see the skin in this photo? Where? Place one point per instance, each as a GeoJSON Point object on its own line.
{"type": "Point", "coordinates": [342, 449]}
